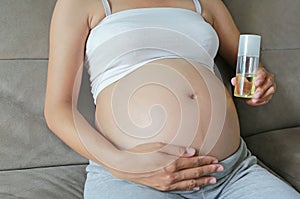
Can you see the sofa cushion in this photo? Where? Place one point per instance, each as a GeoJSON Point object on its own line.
{"type": "Point", "coordinates": [25, 139]}
{"type": "Point", "coordinates": [277, 21]}
{"type": "Point", "coordinates": [24, 28]}
{"type": "Point", "coordinates": [65, 182]}
{"type": "Point", "coordinates": [280, 151]}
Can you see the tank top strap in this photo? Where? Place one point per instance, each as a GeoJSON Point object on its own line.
{"type": "Point", "coordinates": [106, 7]}
{"type": "Point", "coordinates": [198, 6]}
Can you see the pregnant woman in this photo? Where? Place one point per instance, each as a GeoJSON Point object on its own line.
{"type": "Point", "coordinates": [166, 127]}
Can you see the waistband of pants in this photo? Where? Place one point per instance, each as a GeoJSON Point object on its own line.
{"type": "Point", "coordinates": [231, 162]}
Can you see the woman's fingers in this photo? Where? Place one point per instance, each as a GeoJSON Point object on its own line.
{"type": "Point", "coordinates": [193, 184]}
{"type": "Point", "coordinates": [178, 150]}
{"type": "Point", "coordinates": [267, 96]}
{"type": "Point", "coordinates": [198, 172]}
{"type": "Point", "coordinates": [189, 179]}
{"type": "Point", "coordinates": [261, 76]}
{"type": "Point", "coordinates": [192, 162]}
{"type": "Point", "coordinates": [169, 149]}
{"type": "Point", "coordinates": [263, 87]}
{"type": "Point", "coordinates": [233, 81]}
{"type": "Point", "coordinates": [266, 87]}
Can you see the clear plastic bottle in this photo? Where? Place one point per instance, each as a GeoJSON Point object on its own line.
{"type": "Point", "coordinates": [247, 64]}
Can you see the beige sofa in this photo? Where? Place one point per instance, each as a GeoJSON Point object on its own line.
{"type": "Point", "coordinates": [34, 163]}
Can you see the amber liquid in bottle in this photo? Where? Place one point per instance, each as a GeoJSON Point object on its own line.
{"type": "Point", "coordinates": [245, 76]}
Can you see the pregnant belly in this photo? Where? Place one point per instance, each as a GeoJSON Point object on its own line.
{"type": "Point", "coordinates": [170, 101]}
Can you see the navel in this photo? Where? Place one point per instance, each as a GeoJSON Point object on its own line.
{"type": "Point", "coordinates": [193, 96]}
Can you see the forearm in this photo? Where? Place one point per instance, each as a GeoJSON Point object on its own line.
{"type": "Point", "coordinates": [72, 128]}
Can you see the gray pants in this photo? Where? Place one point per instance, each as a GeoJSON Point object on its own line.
{"type": "Point", "coordinates": [242, 178]}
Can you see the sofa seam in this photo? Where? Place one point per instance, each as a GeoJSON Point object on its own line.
{"type": "Point", "coordinates": [279, 49]}
{"type": "Point", "coordinates": [263, 132]}
{"type": "Point", "coordinates": [43, 167]}
{"type": "Point", "coordinates": [23, 59]}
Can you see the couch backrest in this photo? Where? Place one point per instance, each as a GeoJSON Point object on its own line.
{"type": "Point", "coordinates": [279, 24]}
{"type": "Point", "coordinates": [25, 140]}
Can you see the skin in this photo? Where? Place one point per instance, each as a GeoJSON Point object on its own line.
{"type": "Point", "coordinates": [71, 22]}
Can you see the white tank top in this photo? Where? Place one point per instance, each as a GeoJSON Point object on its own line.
{"type": "Point", "coordinates": [124, 41]}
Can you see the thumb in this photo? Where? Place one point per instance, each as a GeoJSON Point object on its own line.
{"type": "Point", "coordinates": [178, 151]}
{"type": "Point", "coordinates": [189, 152]}
{"type": "Point", "coordinates": [233, 81]}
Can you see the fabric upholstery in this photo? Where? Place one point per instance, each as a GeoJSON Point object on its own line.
{"type": "Point", "coordinates": [24, 28]}
{"type": "Point", "coordinates": [23, 127]}
{"type": "Point", "coordinates": [64, 182]}
{"type": "Point", "coordinates": [279, 150]}
{"type": "Point", "coordinates": [277, 21]}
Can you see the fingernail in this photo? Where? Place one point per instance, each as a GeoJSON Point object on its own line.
{"type": "Point", "coordinates": [196, 188]}
{"type": "Point", "coordinates": [190, 151]}
{"type": "Point", "coordinates": [257, 82]}
{"type": "Point", "coordinates": [220, 168]}
{"type": "Point", "coordinates": [254, 100]}
{"type": "Point", "coordinates": [233, 81]}
{"type": "Point", "coordinates": [257, 94]}
{"type": "Point", "coordinates": [215, 161]}
{"type": "Point", "coordinates": [212, 181]}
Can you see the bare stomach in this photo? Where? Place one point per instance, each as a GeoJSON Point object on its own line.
{"type": "Point", "coordinates": [169, 101]}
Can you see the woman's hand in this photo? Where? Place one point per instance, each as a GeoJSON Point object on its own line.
{"type": "Point", "coordinates": [187, 172]}
{"type": "Point", "coordinates": [265, 87]}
